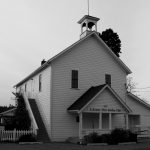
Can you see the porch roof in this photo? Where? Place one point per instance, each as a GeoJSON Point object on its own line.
{"type": "Point", "coordinates": [86, 97]}
{"type": "Point", "coordinates": [90, 95]}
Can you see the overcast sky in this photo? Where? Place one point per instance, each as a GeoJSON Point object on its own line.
{"type": "Point", "coordinates": [32, 30]}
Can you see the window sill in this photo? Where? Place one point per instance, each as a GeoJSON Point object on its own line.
{"type": "Point", "coordinates": [75, 88]}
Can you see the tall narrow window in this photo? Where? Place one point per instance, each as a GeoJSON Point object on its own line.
{"type": "Point", "coordinates": [40, 83]}
{"type": "Point", "coordinates": [74, 79]}
{"type": "Point", "coordinates": [20, 88]}
{"type": "Point", "coordinates": [108, 79]}
{"type": "Point", "coordinates": [25, 88]}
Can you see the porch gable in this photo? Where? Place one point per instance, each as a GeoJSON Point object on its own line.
{"type": "Point", "coordinates": [106, 102]}
{"type": "Point", "coordinates": [99, 98]}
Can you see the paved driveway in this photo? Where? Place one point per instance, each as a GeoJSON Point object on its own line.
{"type": "Point", "coordinates": [64, 146]}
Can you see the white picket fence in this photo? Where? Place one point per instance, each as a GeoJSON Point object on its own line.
{"type": "Point", "coordinates": [14, 135]}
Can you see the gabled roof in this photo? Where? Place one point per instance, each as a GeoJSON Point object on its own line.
{"type": "Point", "coordinates": [46, 64]}
{"type": "Point", "coordinates": [139, 100]}
{"type": "Point", "coordinates": [90, 95]}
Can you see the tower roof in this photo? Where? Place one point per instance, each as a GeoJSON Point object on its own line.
{"type": "Point", "coordinates": [89, 18]}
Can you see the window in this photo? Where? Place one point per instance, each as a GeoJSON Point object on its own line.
{"type": "Point", "coordinates": [74, 79]}
{"type": "Point", "coordinates": [105, 121]}
{"type": "Point", "coordinates": [40, 83]}
{"type": "Point", "coordinates": [25, 88]}
{"type": "Point", "coordinates": [20, 89]}
{"type": "Point", "coordinates": [108, 79]}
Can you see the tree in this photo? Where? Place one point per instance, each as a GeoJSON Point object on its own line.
{"type": "Point", "coordinates": [112, 40]}
{"type": "Point", "coordinates": [5, 108]}
{"type": "Point", "coordinates": [131, 85]}
{"type": "Point", "coordinates": [21, 119]}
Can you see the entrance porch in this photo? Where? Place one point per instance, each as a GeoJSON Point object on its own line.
{"type": "Point", "coordinates": [104, 122]}
{"type": "Point", "coordinates": [101, 110]}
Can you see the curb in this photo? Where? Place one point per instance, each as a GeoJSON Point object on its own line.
{"type": "Point", "coordinates": [29, 143]}
{"type": "Point", "coordinates": [127, 143]}
{"type": "Point", "coordinates": [96, 144]}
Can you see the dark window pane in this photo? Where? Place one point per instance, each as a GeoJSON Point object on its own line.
{"type": "Point", "coordinates": [25, 87]}
{"type": "Point", "coordinates": [74, 79]}
{"type": "Point", "coordinates": [108, 79]}
{"type": "Point", "coordinates": [40, 83]}
{"type": "Point", "coordinates": [74, 74]}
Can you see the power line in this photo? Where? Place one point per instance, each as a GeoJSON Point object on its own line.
{"type": "Point", "coordinates": [140, 91]}
{"type": "Point", "coordinates": [143, 88]}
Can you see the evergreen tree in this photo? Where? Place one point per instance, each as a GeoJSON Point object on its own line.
{"type": "Point", "coordinates": [21, 120]}
{"type": "Point", "coordinates": [112, 40]}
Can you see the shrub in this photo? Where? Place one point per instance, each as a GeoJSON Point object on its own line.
{"type": "Point", "coordinates": [132, 137]}
{"type": "Point", "coordinates": [91, 138]}
{"type": "Point", "coordinates": [105, 138]}
{"type": "Point", "coordinates": [115, 137]}
{"type": "Point", "coordinates": [27, 138]}
{"type": "Point", "coordinates": [9, 126]}
{"type": "Point", "coordinates": [121, 135]}
{"type": "Point", "coordinates": [95, 138]}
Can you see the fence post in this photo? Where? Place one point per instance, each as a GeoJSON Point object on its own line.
{"type": "Point", "coordinates": [14, 135]}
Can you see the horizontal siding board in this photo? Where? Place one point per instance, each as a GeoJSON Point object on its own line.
{"type": "Point", "coordinates": [136, 106]}
{"type": "Point", "coordinates": [139, 108]}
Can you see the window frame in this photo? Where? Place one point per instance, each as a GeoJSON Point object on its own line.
{"type": "Point", "coordinates": [108, 79]}
{"type": "Point", "coordinates": [25, 88]}
{"type": "Point", "coordinates": [40, 82]}
{"type": "Point", "coordinates": [74, 79]}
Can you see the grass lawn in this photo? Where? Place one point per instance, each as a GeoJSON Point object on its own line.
{"type": "Point", "coordinates": [66, 146]}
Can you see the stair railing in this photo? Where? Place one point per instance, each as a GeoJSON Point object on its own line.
{"type": "Point", "coordinates": [33, 121]}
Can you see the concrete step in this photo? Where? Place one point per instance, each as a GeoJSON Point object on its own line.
{"type": "Point", "coordinates": [74, 140]}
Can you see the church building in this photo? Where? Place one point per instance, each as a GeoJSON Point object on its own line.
{"type": "Point", "coordinates": [82, 90]}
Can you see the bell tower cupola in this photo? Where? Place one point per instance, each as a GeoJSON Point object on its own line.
{"type": "Point", "coordinates": [88, 25]}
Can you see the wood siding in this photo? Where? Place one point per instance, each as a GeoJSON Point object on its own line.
{"type": "Point", "coordinates": [139, 108]}
{"type": "Point", "coordinates": [92, 62]}
{"type": "Point", "coordinates": [106, 100]}
{"type": "Point", "coordinates": [43, 97]}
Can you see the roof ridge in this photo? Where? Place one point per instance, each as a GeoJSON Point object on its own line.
{"type": "Point", "coordinates": [47, 63]}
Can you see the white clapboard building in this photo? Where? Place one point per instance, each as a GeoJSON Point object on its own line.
{"type": "Point", "coordinates": [81, 90]}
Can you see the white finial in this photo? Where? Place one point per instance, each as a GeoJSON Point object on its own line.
{"type": "Point", "coordinates": [88, 6]}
